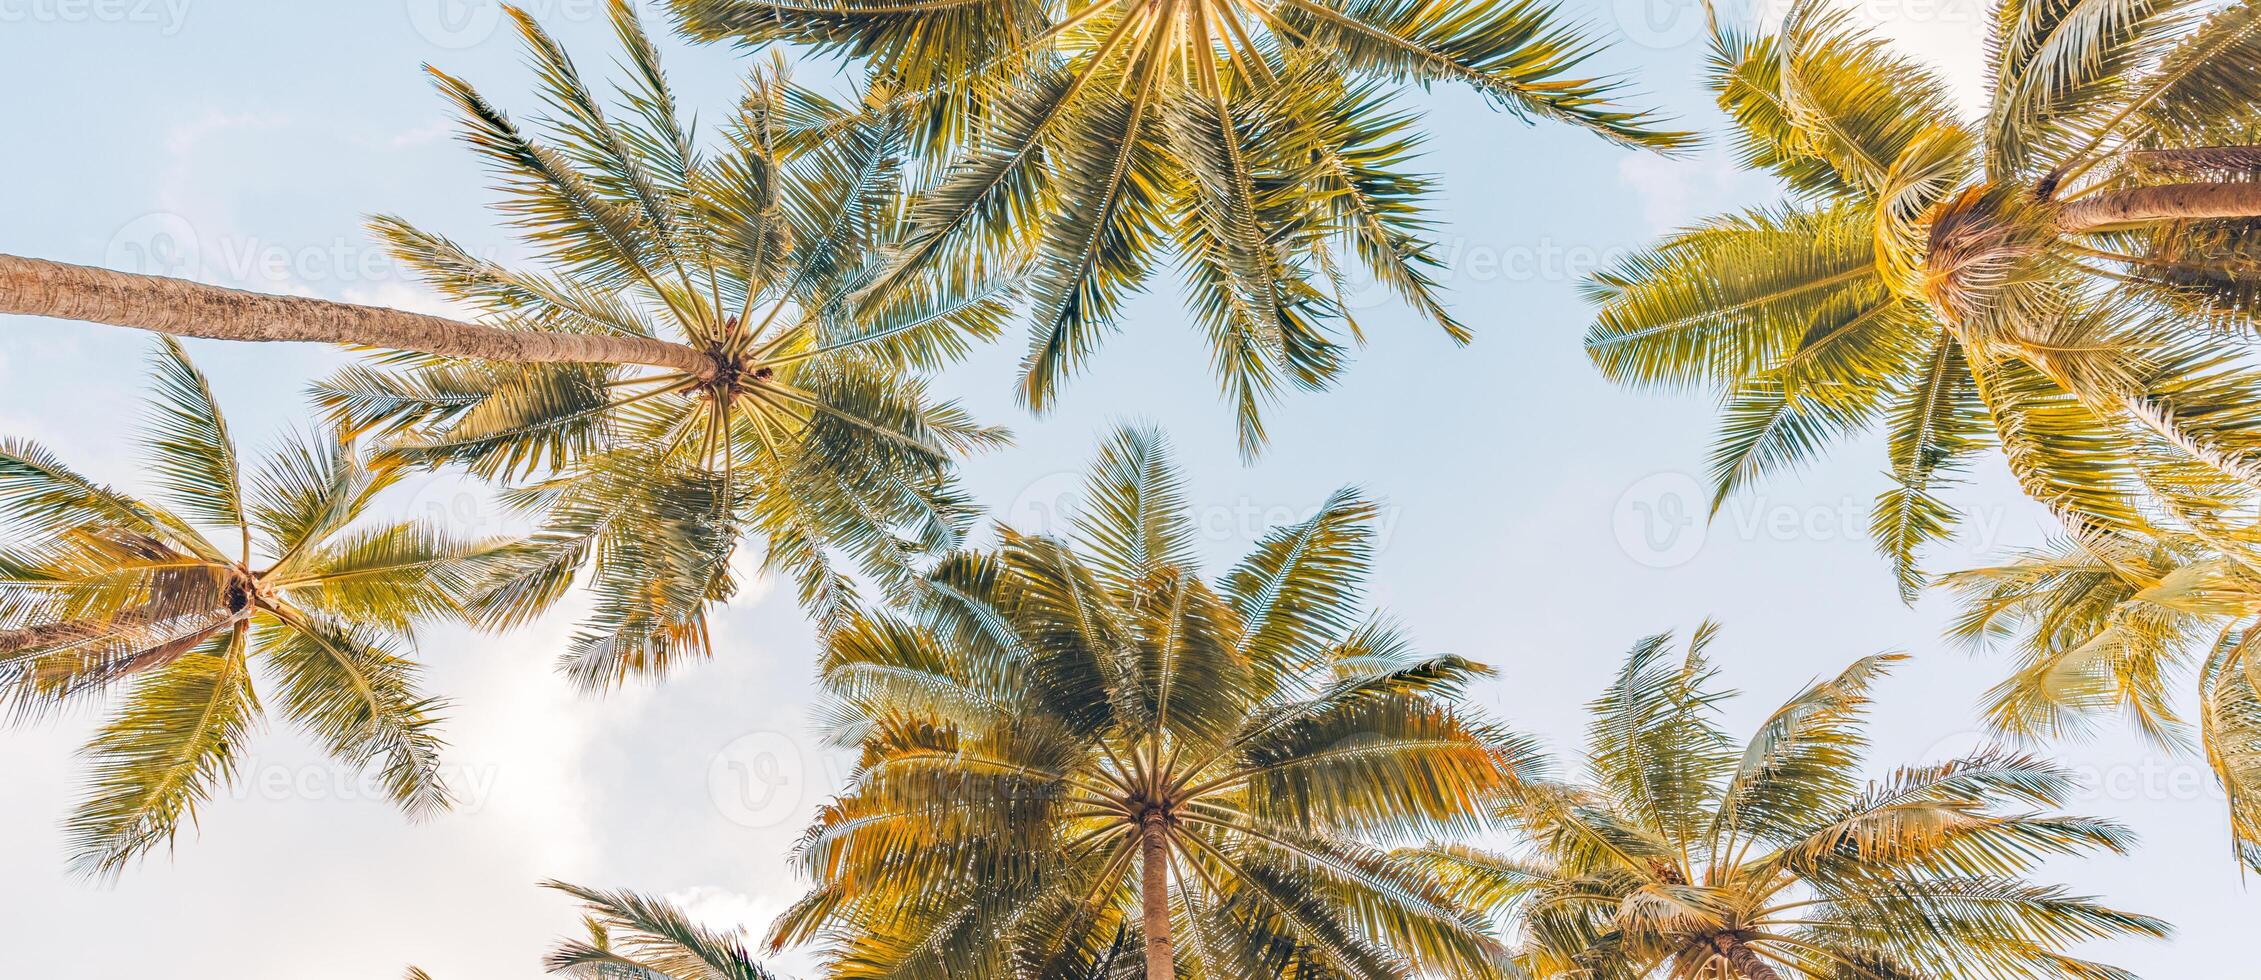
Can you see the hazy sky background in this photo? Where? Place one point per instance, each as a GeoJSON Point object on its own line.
{"type": "Point", "coordinates": [1527, 518]}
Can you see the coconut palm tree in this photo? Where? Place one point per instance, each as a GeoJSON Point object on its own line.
{"type": "Point", "coordinates": [1687, 855]}
{"type": "Point", "coordinates": [100, 590]}
{"type": "Point", "coordinates": [1257, 143]}
{"type": "Point", "coordinates": [1081, 760]}
{"type": "Point", "coordinates": [807, 431]}
{"type": "Point", "coordinates": [684, 372]}
{"type": "Point", "coordinates": [2105, 624]}
{"type": "Point", "coordinates": [633, 936]}
{"type": "Point", "coordinates": [2050, 278]}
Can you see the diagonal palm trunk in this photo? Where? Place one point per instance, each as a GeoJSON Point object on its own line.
{"type": "Point", "coordinates": [2163, 202]}
{"type": "Point", "coordinates": [2198, 160]}
{"type": "Point", "coordinates": [1154, 897]}
{"type": "Point", "coordinates": [37, 287]}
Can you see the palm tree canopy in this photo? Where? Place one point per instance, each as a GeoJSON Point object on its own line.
{"type": "Point", "coordinates": [1254, 143]}
{"type": "Point", "coordinates": [2105, 624]}
{"type": "Point", "coordinates": [101, 589]}
{"type": "Point", "coordinates": [634, 936]}
{"type": "Point", "coordinates": [808, 431]}
{"type": "Point", "coordinates": [1065, 742]}
{"type": "Point", "coordinates": [1924, 275]}
{"type": "Point", "coordinates": [1684, 854]}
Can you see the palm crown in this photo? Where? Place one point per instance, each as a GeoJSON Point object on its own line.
{"type": "Point", "coordinates": [1081, 760]}
{"type": "Point", "coordinates": [1685, 855]}
{"type": "Point", "coordinates": [1256, 141]}
{"type": "Point", "coordinates": [799, 422]}
{"type": "Point", "coordinates": [103, 589]}
{"type": "Point", "coordinates": [1967, 284]}
{"type": "Point", "coordinates": [2107, 623]}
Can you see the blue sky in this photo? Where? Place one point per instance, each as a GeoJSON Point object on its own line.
{"type": "Point", "coordinates": [1534, 517]}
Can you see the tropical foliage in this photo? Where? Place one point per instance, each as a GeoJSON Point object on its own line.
{"type": "Point", "coordinates": [803, 426]}
{"type": "Point", "coordinates": [633, 936]}
{"type": "Point", "coordinates": [1259, 145]}
{"type": "Point", "coordinates": [1081, 760]}
{"type": "Point", "coordinates": [1686, 855]}
{"type": "Point", "coordinates": [2052, 279]}
{"type": "Point", "coordinates": [1076, 756]}
{"type": "Point", "coordinates": [101, 591]}
{"type": "Point", "coordinates": [2106, 625]}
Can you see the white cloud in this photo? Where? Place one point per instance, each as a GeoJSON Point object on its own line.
{"type": "Point", "coordinates": [419, 136]}
{"type": "Point", "coordinates": [405, 296]}
{"type": "Point", "coordinates": [1675, 193]}
{"type": "Point", "coordinates": [177, 190]}
{"type": "Point", "coordinates": [724, 910]}
{"type": "Point", "coordinates": [1947, 35]}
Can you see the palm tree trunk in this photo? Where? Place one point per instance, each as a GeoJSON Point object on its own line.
{"type": "Point", "coordinates": [2198, 160]}
{"type": "Point", "coordinates": [2165, 202]}
{"type": "Point", "coordinates": [1154, 896]}
{"type": "Point", "coordinates": [1744, 959]}
{"type": "Point", "coordinates": [36, 287]}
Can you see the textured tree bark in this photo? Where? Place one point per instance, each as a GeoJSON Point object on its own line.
{"type": "Point", "coordinates": [36, 287]}
{"type": "Point", "coordinates": [1744, 959]}
{"type": "Point", "coordinates": [2165, 202]}
{"type": "Point", "coordinates": [1154, 896]}
{"type": "Point", "coordinates": [2198, 160]}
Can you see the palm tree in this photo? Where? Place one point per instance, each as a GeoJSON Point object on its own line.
{"type": "Point", "coordinates": [633, 936]}
{"type": "Point", "coordinates": [804, 426]}
{"type": "Point", "coordinates": [2022, 280]}
{"type": "Point", "coordinates": [1257, 142]}
{"type": "Point", "coordinates": [2105, 624]}
{"type": "Point", "coordinates": [623, 204]}
{"type": "Point", "coordinates": [1689, 856]}
{"type": "Point", "coordinates": [100, 589]}
{"type": "Point", "coordinates": [686, 371]}
{"type": "Point", "coordinates": [1080, 760]}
